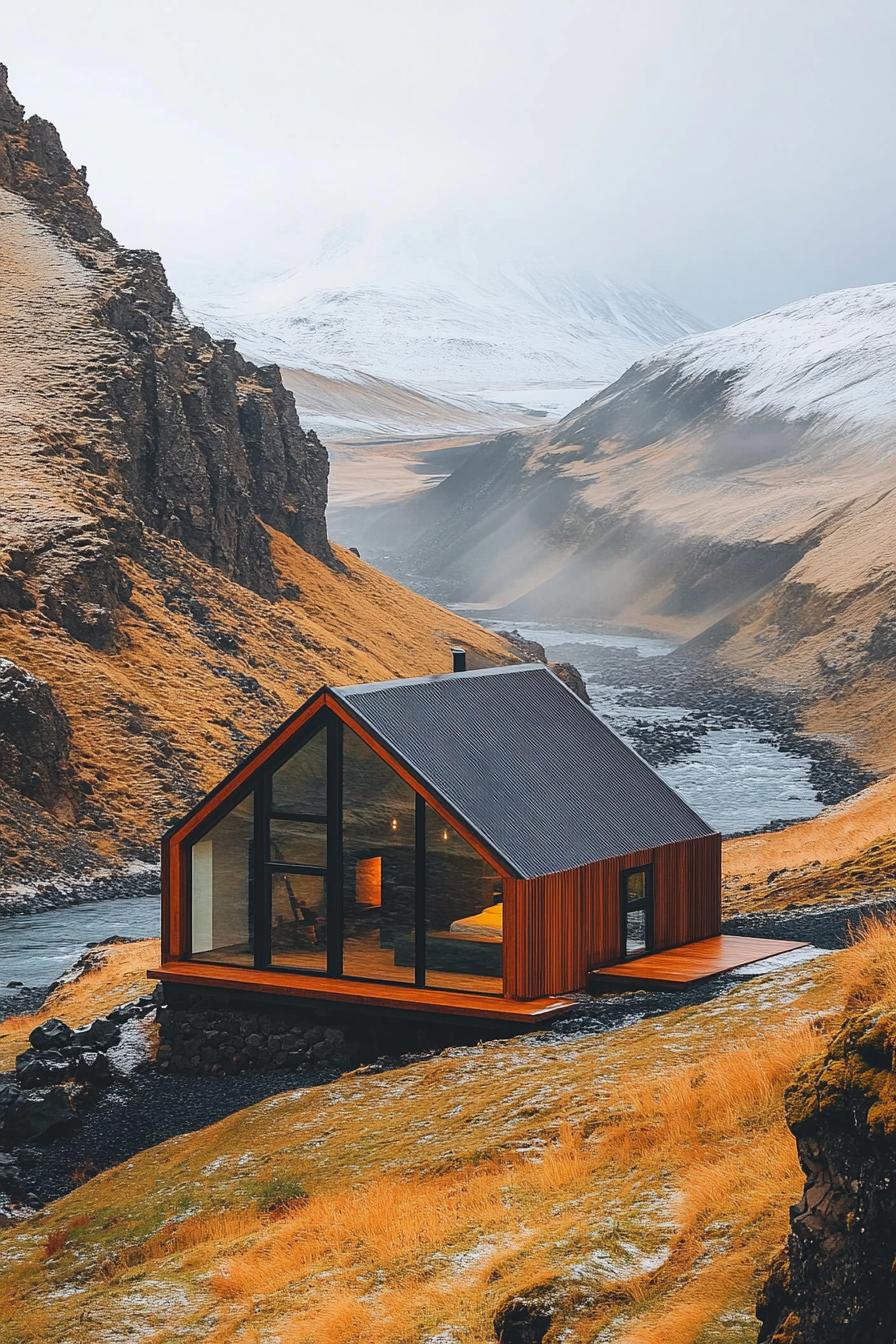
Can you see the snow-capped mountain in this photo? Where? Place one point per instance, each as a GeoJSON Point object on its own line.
{"type": "Point", "coordinates": [832, 356]}
{"type": "Point", "coordinates": [736, 486]}
{"type": "Point", "coordinates": [448, 313]}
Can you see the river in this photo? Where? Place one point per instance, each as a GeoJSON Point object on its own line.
{"type": "Point", "coordinates": [738, 779]}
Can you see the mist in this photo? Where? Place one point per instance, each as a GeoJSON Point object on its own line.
{"type": "Point", "coordinates": [734, 156]}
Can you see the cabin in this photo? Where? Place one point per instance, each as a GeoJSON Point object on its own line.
{"type": "Point", "coordinates": [478, 842]}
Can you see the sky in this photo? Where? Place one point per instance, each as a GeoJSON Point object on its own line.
{"type": "Point", "coordinates": [736, 154]}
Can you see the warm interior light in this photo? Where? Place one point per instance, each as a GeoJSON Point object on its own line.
{"type": "Point", "coordinates": [394, 823]}
{"type": "Point", "coordinates": [445, 833]}
{"type": "Point", "coordinates": [369, 881]}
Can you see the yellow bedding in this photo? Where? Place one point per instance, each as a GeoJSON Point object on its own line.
{"type": "Point", "coordinates": [489, 923]}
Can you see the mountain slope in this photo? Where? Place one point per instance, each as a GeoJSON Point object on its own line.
{"type": "Point", "coordinates": [738, 486]}
{"type": "Point", "coordinates": [167, 589]}
{"type": "Point", "coordinates": [446, 311]}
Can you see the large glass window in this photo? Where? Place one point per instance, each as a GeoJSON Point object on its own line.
{"type": "Point", "coordinates": [221, 889]}
{"type": "Point", "coordinates": [299, 787]}
{"type": "Point", "coordinates": [378, 820]}
{"type": "Point", "coordinates": [368, 923]}
{"type": "Point", "coordinates": [297, 858]}
{"type": "Point", "coordinates": [464, 913]}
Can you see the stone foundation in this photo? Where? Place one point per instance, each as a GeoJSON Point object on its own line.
{"type": "Point", "coordinates": [212, 1031]}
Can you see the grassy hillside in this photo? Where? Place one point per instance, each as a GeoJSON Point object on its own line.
{"type": "Point", "coordinates": [844, 854]}
{"type": "Point", "coordinates": [159, 720]}
{"type": "Point", "coordinates": [637, 1182]}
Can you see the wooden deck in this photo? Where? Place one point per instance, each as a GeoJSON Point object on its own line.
{"type": "Point", "coordinates": [363, 994]}
{"type": "Point", "coordinates": [678, 967]}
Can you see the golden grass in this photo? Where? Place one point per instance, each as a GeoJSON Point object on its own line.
{"type": "Point", "coordinates": [645, 1173]}
{"type": "Point", "coordinates": [185, 695]}
{"type": "Point", "coordinates": [120, 975]}
{"type": "Point", "coordinates": [843, 854]}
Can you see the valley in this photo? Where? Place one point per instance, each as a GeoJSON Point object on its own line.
{"type": "Point", "coordinates": [354, 465]}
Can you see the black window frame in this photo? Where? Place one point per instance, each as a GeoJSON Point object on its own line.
{"type": "Point", "coordinates": [644, 903]}
{"type": "Point", "coordinates": [259, 895]}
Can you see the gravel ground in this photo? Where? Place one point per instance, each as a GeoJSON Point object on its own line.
{"type": "Point", "coordinates": [145, 1110]}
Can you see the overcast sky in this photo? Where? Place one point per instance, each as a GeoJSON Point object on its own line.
{"type": "Point", "coordinates": [735, 153]}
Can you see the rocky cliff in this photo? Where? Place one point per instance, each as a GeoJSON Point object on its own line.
{"type": "Point", "coordinates": [167, 588]}
{"type": "Point", "coordinates": [835, 1283]}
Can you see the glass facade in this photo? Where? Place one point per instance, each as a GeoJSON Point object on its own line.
{"type": "Point", "coordinates": [355, 874]}
{"type": "Point", "coordinates": [378, 866]}
{"type": "Point", "coordinates": [299, 787]}
{"type": "Point", "coordinates": [464, 912]}
{"type": "Point", "coordinates": [221, 867]}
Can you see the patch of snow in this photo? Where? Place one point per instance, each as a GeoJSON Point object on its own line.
{"type": "Point", "coordinates": [443, 311]}
{"type": "Point", "coordinates": [134, 1048]}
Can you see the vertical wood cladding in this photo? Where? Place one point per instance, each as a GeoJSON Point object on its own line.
{"type": "Point", "coordinates": [559, 927]}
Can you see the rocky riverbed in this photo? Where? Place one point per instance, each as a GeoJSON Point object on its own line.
{"type": "Point", "coordinates": [734, 750]}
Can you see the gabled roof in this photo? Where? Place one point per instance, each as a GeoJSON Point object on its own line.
{"type": "Point", "coordinates": [526, 764]}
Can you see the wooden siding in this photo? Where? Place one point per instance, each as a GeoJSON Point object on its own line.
{"type": "Point", "coordinates": [566, 924]}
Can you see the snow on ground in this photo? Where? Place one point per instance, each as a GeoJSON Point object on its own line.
{"type": "Point", "coordinates": [832, 354]}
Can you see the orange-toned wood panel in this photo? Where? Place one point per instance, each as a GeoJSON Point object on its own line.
{"type": "Point", "coordinates": [293, 985]}
{"type": "Point", "coordinates": [568, 923]}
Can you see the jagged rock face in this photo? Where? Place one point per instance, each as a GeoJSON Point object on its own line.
{"type": "Point", "coordinates": [35, 736]}
{"type": "Point", "coordinates": [182, 434]}
{"type": "Point", "coordinates": [836, 1281]}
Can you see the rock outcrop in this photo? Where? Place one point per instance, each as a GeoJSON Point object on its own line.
{"type": "Point", "coordinates": [166, 581]}
{"type": "Point", "coordinates": [35, 737]}
{"type": "Point", "coordinates": [836, 1282]}
{"type": "Point", "coordinates": [183, 433]}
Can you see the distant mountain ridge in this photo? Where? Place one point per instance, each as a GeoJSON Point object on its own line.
{"type": "Point", "coordinates": [447, 316]}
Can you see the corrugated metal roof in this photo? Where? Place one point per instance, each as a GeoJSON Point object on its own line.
{"type": "Point", "coordinates": [535, 773]}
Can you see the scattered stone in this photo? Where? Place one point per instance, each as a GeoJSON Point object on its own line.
{"type": "Point", "coordinates": [39, 1070]}
{"type": "Point", "coordinates": [9, 1093]}
{"type": "Point", "coordinates": [54, 1034]}
{"type": "Point", "coordinates": [100, 1035]}
{"type": "Point", "coordinates": [37, 1113]}
{"type": "Point", "coordinates": [94, 1068]}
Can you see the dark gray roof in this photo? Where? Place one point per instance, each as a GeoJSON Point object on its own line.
{"type": "Point", "coordinates": [532, 770]}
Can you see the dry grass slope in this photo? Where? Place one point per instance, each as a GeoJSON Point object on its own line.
{"type": "Point", "coordinates": [642, 1177]}
{"type": "Point", "coordinates": [116, 974]}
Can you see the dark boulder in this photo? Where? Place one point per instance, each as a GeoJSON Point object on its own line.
{"type": "Point", "coordinates": [94, 1068]}
{"type": "Point", "coordinates": [11, 1183]}
{"type": "Point", "coordinates": [525, 1318]}
{"type": "Point", "coordinates": [35, 1114]}
{"type": "Point", "coordinates": [9, 1093]}
{"type": "Point", "coordinates": [570, 675]}
{"type": "Point", "coordinates": [54, 1034]}
{"type": "Point", "coordinates": [40, 1070]}
{"type": "Point", "coordinates": [99, 1035]}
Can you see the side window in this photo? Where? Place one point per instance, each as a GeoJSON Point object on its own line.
{"type": "Point", "coordinates": [221, 865]}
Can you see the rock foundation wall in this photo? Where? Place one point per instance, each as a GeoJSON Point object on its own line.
{"type": "Point", "coordinates": [208, 1032]}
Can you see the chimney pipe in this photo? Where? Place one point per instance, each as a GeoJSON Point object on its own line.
{"type": "Point", "coordinates": [459, 657]}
